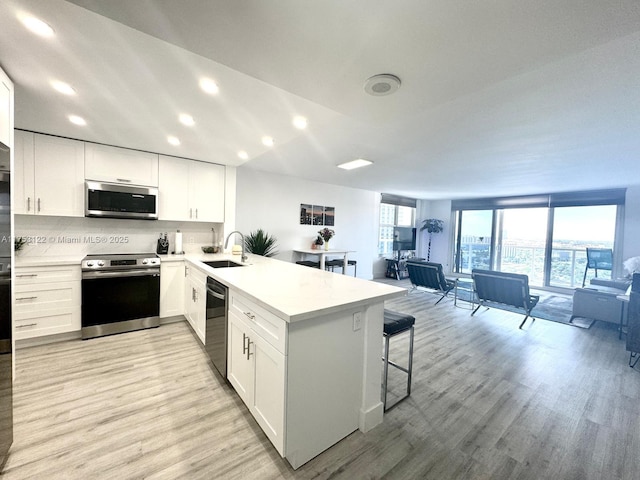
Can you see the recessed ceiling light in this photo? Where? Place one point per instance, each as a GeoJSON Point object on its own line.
{"type": "Point", "coordinates": [243, 155]}
{"type": "Point", "coordinates": [209, 86]}
{"type": "Point", "coordinates": [77, 120]}
{"type": "Point", "coordinates": [300, 122]}
{"type": "Point", "coordinates": [357, 163]}
{"type": "Point", "coordinates": [267, 141]}
{"type": "Point", "coordinates": [36, 25]}
{"type": "Point", "coordinates": [63, 87]}
{"type": "Point", "coordinates": [186, 119]}
{"type": "Point", "coordinates": [383, 84]}
{"type": "Point", "coordinates": [175, 141]}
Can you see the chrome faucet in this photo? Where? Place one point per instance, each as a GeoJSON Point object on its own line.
{"type": "Point", "coordinates": [226, 244]}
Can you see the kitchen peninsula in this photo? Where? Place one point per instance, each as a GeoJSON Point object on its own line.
{"type": "Point", "coordinates": [304, 350]}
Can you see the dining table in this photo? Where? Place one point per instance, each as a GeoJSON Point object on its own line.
{"type": "Point", "coordinates": [322, 253]}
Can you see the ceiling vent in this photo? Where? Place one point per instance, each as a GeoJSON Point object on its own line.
{"type": "Point", "coordinates": [382, 84]}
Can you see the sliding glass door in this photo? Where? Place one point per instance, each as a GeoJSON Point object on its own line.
{"type": "Point", "coordinates": [574, 230]}
{"type": "Point", "coordinates": [544, 236]}
{"type": "Point", "coordinates": [521, 242]}
{"type": "Point", "coordinates": [474, 234]}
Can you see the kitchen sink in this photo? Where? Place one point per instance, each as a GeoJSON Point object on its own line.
{"type": "Point", "coordinates": [223, 264]}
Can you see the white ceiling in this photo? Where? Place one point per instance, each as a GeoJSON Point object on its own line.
{"type": "Point", "coordinates": [498, 97]}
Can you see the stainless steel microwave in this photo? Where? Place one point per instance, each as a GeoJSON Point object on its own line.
{"type": "Point", "coordinates": [113, 200]}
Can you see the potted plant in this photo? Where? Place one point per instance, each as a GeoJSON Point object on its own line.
{"type": "Point", "coordinates": [18, 243]}
{"type": "Point", "coordinates": [432, 225]}
{"type": "Point", "coordinates": [261, 243]}
{"type": "Point", "coordinates": [326, 234]}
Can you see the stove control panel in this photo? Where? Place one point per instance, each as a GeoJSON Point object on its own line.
{"type": "Point", "coordinates": [119, 262]}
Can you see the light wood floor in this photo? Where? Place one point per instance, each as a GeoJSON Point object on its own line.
{"type": "Point", "coordinates": [489, 401]}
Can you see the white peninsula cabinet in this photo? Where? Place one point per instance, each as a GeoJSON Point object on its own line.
{"type": "Point", "coordinates": [49, 175]}
{"type": "Point", "coordinates": [120, 165]}
{"type": "Point", "coordinates": [304, 350]}
{"type": "Point", "coordinates": [190, 190]}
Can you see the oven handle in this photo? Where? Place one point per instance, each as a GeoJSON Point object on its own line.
{"type": "Point", "coordinates": [147, 272]}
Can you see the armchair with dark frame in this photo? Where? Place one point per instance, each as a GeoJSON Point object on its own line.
{"type": "Point", "coordinates": [429, 275]}
{"type": "Point", "coordinates": [598, 259]}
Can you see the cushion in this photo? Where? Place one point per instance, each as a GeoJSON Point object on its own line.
{"type": "Point", "coordinates": [395, 322]}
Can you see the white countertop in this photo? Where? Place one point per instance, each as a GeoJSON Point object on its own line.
{"type": "Point", "coordinates": [295, 292]}
{"type": "Point", "coordinates": [52, 261]}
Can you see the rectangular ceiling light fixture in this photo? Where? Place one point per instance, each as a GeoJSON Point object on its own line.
{"type": "Point", "coordinates": [357, 163]}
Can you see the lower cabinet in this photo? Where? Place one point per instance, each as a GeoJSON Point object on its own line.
{"type": "Point", "coordinates": [171, 289]}
{"type": "Point", "coordinates": [195, 300]}
{"type": "Point", "coordinates": [257, 369]}
{"type": "Point", "coordinates": [47, 301]}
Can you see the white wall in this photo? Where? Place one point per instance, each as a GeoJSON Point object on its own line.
{"type": "Point", "coordinates": [272, 202]}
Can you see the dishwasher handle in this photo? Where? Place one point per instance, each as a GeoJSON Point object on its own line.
{"type": "Point", "coordinates": [213, 293]}
{"type": "Point", "coordinates": [216, 289]}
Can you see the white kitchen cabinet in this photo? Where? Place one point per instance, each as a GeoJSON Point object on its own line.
{"type": "Point", "coordinates": [6, 109]}
{"type": "Point", "coordinates": [195, 300]}
{"type": "Point", "coordinates": [255, 367]}
{"type": "Point", "coordinates": [49, 174]}
{"type": "Point", "coordinates": [190, 190]}
{"type": "Point", "coordinates": [171, 289]}
{"type": "Point", "coordinates": [120, 165]}
{"type": "Point", "coordinates": [47, 301]}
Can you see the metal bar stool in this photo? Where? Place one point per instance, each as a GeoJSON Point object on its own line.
{"type": "Point", "coordinates": [396, 323]}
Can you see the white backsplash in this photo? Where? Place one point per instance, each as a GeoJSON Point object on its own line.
{"type": "Point", "coordinates": [66, 236]}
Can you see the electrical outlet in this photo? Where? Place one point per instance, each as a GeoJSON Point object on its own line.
{"type": "Point", "coordinates": [190, 239]}
{"type": "Point", "coordinates": [357, 321]}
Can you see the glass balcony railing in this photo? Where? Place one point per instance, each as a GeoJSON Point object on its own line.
{"type": "Point", "coordinates": [567, 264]}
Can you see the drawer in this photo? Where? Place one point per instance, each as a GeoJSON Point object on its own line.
{"type": "Point", "coordinates": [33, 275]}
{"type": "Point", "coordinates": [270, 327]}
{"type": "Point", "coordinates": [47, 323]}
{"type": "Point", "coordinates": [46, 296]}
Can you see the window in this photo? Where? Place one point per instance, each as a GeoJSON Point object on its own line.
{"type": "Point", "coordinates": [543, 236]}
{"type": "Point", "coordinates": [394, 212]}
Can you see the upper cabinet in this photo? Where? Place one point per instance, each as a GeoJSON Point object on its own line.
{"type": "Point", "coordinates": [49, 175]}
{"type": "Point", "coordinates": [6, 109]}
{"type": "Point", "coordinates": [120, 165]}
{"type": "Point", "coordinates": [191, 190]}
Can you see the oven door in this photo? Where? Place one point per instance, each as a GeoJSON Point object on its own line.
{"type": "Point", "coordinates": [117, 301]}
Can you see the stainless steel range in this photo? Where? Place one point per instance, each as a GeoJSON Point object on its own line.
{"type": "Point", "coordinates": [120, 293]}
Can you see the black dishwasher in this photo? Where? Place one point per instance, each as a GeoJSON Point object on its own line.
{"type": "Point", "coordinates": [216, 326]}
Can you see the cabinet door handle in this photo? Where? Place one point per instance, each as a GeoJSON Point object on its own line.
{"type": "Point", "coordinates": [246, 345]}
{"type": "Point", "coordinates": [250, 315]}
{"type": "Point", "coordinates": [38, 204]}
{"type": "Point", "coordinates": [28, 204]}
{"type": "Point", "coordinates": [26, 298]}
{"type": "Point", "coordinates": [27, 325]}
{"type": "Point", "coordinates": [191, 213]}
{"type": "Point", "coordinates": [196, 213]}
{"type": "Point", "coordinates": [126, 180]}
{"type": "Point", "coordinates": [186, 270]}
{"type": "Point", "coordinates": [27, 275]}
